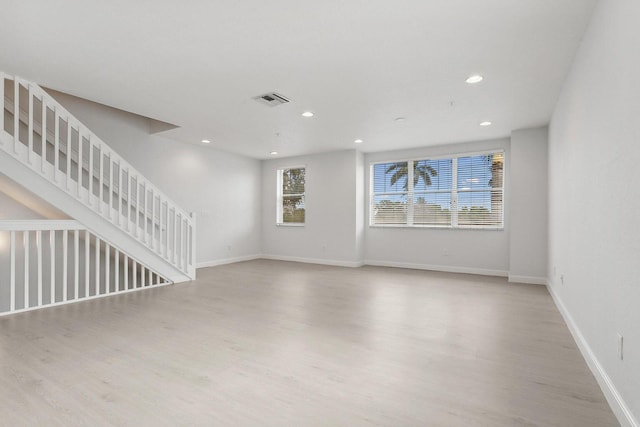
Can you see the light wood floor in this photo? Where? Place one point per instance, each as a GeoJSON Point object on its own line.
{"type": "Point", "coordinates": [267, 343]}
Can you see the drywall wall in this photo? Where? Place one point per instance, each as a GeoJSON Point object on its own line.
{"type": "Point", "coordinates": [528, 206]}
{"type": "Point", "coordinates": [331, 230]}
{"type": "Point", "coordinates": [223, 189]}
{"type": "Point", "coordinates": [594, 233]}
{"type": "Point", "coordinates": [12, 209]}
{"type": "Point", "coordinates": [469, 251]}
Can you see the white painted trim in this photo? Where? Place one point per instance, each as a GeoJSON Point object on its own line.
{"type": "Point", "coordinates": [215, 262]}
{"type": "Point", "coordinates": [532, 280]}
{"type": "Point", "coordinates": [617, 403]}
{"type": "Point", "coordinates": [40, 224]}
{"type": "Point", "coordinates": [55, 304]}
{"type": "Point", "coordinates": [332, 262]}
{"type": "Point", "coordinates": [444, 268]}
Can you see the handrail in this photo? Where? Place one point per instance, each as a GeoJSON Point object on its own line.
{"type": "Point", "coordinates": [111, 187]}
{"type": "Point", "coordinates": [38, 224]}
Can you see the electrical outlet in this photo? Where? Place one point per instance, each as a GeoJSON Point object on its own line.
{"type": "Point", "coordinates": [229, 248]}
{"type": "Point", "coordinates": [620, 346]}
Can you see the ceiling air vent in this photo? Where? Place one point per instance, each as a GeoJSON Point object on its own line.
{"type": "Point", "coordinates": [272, 99]}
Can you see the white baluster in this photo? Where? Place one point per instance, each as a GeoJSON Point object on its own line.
{"type": "Point", "coordinates": [65, 250]}
{"type": "Point", "coordinates": [110, 187]}
{"type": "Point", "coordinates": [126, 272]}
{"type": "Point", "coordinates": [12, 249]}
{"type": "Point", "coordinates": [43, 138]}
{"type": "Point", "coordinates": [39, 251]}
{"type": "Point", "coordinates": [120, 187]}
{"type": "Point", "coordinates": [56, 145]}
{"type": "Point", "coordinates": [52, 285]}
{"type": "Point", "coordinates": [87, 254]}
{"type": "Point", "coordinates": [2, 106]}
{"type": "Point", "coordinates": [107, 267]}
{"type": "Point", "coordinates": [100, 179]}
{"type": "Point", "coordinates": [153, 220]}
{"type": "Point", "coordinates": [135, 274]}
{"type": "Point", "coordinates": [117, 268]}
{"type": "Point", "coordinates": [80, 163]}
{"type": "Point", "coordinates": [68, 153]}
{"type": "Point", "coordinates": [26, 268]}
{"type": "Point", "coordinates": [90, 171]}
{"type": "Point", "coordinates": [16, 114]}
{"type": "Point", "coordinates": [97, 266]}
{"type": "Point", "coordinates": [30, 126]}
{"type": "Point", "coordinates": [76, 262]}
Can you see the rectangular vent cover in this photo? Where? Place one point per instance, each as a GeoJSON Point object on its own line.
{"type": "Point", "coordinates": [272, 99]}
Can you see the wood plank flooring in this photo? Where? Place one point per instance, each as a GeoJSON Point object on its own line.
{"type": "Point", "coordinates": [268, 343]}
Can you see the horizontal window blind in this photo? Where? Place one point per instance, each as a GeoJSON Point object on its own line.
{"type": "Point", "coordinates": [459, 192]}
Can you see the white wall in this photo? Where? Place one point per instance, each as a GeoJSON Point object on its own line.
{"type": "Point", "coordinates": [528, 206]}
{"type": "Point", "coordinates": [332, 232]}
{"type": "Point", "coordinates": [472, 251]}
{"type": "Point", "coordinates": [594, 211]}
{"type": "Point", "coordinates": [223, 189]}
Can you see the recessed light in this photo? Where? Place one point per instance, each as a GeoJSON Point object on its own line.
{"type": "Point", "coordinates": [274, 153]}
{"type": "Point", "coordinates": [358, 141]}
{"type": "Point", "coordinates": [307, 114]}
{"type": "Point", "coordinates": [485, 124]}
{"type": "Point", "coordinates": [476, 78]}
{"type": "Point", "coordinates": [206, 141]}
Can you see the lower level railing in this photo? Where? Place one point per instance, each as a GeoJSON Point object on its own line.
{"type": "Point", "coordinates": [45, 263]}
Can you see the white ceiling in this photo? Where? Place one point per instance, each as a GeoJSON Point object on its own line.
{"type": "Point", "coordinates": [357, 64]}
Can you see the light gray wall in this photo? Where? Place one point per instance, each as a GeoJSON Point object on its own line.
{"type": "Point", "coordinates": [332, 230]}
{"type": "Point", "coordinates": [223, 189]}
{"type": "Point", "coordinates": [528, 206]}
{"type": "Point", "coordinates": [474, 251]}
{"type": "Point", "coordinates": [12, 209]}
{"type": "Point", "coordinates": [594, 205]}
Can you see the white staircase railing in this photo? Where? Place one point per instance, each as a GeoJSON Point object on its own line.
{"type": "Point", "coordinates": [44, 263]}
{"type": "Point", "coordinates": [43, 135]}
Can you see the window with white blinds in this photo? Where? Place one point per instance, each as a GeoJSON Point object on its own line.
{"type": "Point", "coordinates": [291, 196]}
{"type": "Point", "coordinates": [460, 192]}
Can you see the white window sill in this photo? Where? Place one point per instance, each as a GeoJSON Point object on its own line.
{"type": "Point", "coordinates": [435, 227]}
{"type": "Point", "coordinates": [289, 224]}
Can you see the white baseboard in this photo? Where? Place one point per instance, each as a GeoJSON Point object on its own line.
{"type": "Point", "coordinates": [333, 262]}
{"type": "Point", "coordinates": [223, 261]}
{"type": "Point", "coordinates": [617, 403]}
{"type": "Point", "coordinates": [533, 280]}
{"type": "Point", "coordinates": [444, 268]}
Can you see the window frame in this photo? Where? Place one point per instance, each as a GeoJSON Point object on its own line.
{"type": "Point", "coordinates": [280, 196]}
{"type": "Point", "coordinates": [454, 192]}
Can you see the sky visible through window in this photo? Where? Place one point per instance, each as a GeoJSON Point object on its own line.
{"type": "Point", "coordinates": [474, 174]}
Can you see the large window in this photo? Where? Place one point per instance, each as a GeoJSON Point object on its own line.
{"type": "Point", "coordinates": [291, 208]}
{"type": "Point", "coordinates": [458, 192]}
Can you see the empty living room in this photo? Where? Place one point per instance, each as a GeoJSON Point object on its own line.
{"type": "Point", "coordinates": [339, 213]}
